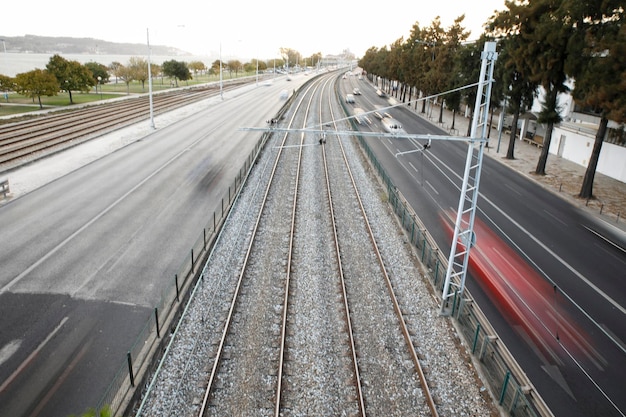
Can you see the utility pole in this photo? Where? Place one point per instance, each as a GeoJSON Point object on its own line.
{"type": "Point", "coordinates": [464, 238]}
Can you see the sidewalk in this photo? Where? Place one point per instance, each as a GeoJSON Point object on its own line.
{"type": "Point", "coordinates": [563, 177]}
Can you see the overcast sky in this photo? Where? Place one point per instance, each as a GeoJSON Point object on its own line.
{"type": "Point", "coordinates": [243, 28]}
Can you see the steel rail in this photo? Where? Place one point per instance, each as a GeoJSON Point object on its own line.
{"type": "Point", "coordinates": [348, 319]}
{"type": "Point", "coordinates": [409, 342]}
{"type": "Point", "coordinates": [243, 269]}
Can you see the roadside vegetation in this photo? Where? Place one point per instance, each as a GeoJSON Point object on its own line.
{"type": "Point", "coordinates": [546, 48]}
{"type": "Point", "coordinates": [65, 83]}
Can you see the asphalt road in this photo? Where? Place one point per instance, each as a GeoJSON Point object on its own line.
{"type": "Point", "coordinates": [85, 257]}
{"type": "Point", "coordinates": [551, 242]}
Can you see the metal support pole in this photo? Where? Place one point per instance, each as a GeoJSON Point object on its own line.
{"type": "Point", "coordinates": [463, 237]}
{"type": "Point", "coordinates": [150, 81]}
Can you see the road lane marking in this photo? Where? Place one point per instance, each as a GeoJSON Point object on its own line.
{"type": "Point", "coordinates": [9, 349]}
{"type": "Point", "coordinates": [433, 188]}
{"type": "Point", "coordinates": [32, 355]}
{"type": "Point", "coordinates": [605, 239]}
{"type": "Point", "coordinates": [513, 189]}
{"type": "Point", "coordinates": [90, 222]}
{"type": "Point", "coordinates": [554, 217]}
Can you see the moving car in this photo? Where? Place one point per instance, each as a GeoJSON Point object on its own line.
{"type": "Point", "coordinates": [391, 125]}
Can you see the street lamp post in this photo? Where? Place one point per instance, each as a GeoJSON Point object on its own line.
{"type": "Point", "coordinates": [100, 83]}
{"type": "Point", "coordinates": [221, 80]}
{"type": "Point", "coordinates": [150, 81]}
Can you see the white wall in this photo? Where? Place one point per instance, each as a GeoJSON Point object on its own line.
{"type": "Point", "coordinates": [578, 147]}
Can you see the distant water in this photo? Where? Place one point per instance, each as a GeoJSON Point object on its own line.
{"type": "Point", "coordinates": [16, 63]}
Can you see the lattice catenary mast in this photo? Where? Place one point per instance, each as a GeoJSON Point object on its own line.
{"type": "Point", "coordinates": [464, 237]}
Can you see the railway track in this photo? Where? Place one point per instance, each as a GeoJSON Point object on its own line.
{"type": "Point", "coordinates": [274, 335]}
{"type": "Point", "coordinates": [299, 329]}
{"type": "Point", "coordinates": [297, 311]}
{"type": "Point", "coordinates": [26, 141]}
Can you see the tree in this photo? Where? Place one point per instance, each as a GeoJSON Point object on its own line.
{"type": "Point", "coordinates": [100, 74]}
{"type": "Point", "coordinates": [7, 84]}
{"type": "Point", "coordinates": [513, 83]}
{"type": "Point", "coordinates": [98, 70]}
{"type": "Point", "coordinates": [599, 71]}
{"type": "Point", "coordinates": [315, 59]}
{"type": "Point", "coordinates": [290, 56]}
{"type": "Point", "coordinates": [447, 63]}
{"type": "Point", "coordinates": [71, 75]}
{"type": "Point", "coordinates": [114, 67]}
{"type": "Point", "coordinates": [416, 59]}
{"type": "Point", "coordinates": [215, 67]}
{"type": "Point", "coordinates": [36, 83]}
{"type": "Point", "coordinates": [434, 80]}
{"type": "Point", "coordinates": [466, 72]}
{"type": "Point", "coordinates": [197, 66]}
{"type": "Point", "coordinates": [177, 70]}
{"type": "Point", "coordinates": [544, 31]}
{"type": "Point", "coordinates": [127, 75]}
{"type": "Point", "coordinates": [234, 65]}
{"type": "Point", "coordinates": [139, 68]}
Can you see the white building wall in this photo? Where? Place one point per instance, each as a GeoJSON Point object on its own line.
{"type": "Point", "coordinates": [577, 147]}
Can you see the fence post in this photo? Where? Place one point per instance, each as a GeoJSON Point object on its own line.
{"type": "Point", "coordinates": [191, 260]}
{"type": "Point", "coordinates": [130, 369]}
{"type": "Point", "coordinates": [504, 386]}
{"type": "Point", "coordinates": [177, 289]}
{"type": "Point", "coordinates": [476, 334]}
{"type": "Point", "coordinates": [156, 320]}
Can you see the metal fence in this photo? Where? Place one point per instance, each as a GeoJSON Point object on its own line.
{"type": "Point", "coordinates": [506, 380]}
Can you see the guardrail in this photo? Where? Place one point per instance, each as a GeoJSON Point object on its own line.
{"type": "Point", "coordinates": [4, 187]}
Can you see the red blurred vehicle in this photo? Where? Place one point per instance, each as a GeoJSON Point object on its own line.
{"type": "Point", "coordinates": [530, 304]}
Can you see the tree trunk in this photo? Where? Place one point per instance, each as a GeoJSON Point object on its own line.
{"type": "Point", "coordinates": [70, 93]}
{"type": "Point", "coordinates": [40, 105]}
{"type": "Point", "coordinates": [453, 119]}
{"type": "Point", "coordinates": [441, 112]}
{"type": "Point", "coordinates": [510, 152]}
{"type": "Point", "coordinates": [469, 125]}
{"type": "Point", "coordinates": [543, 158]}
{"type": "Point", "coordinates": [424, 106]}
{"type": "Point", "coordinates": [586, 191]}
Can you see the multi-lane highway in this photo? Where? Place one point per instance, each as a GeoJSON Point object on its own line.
{"type": "Point", "coordinates": [561, 305]}
{"type": "Point", "coordinates": [86, 257]}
